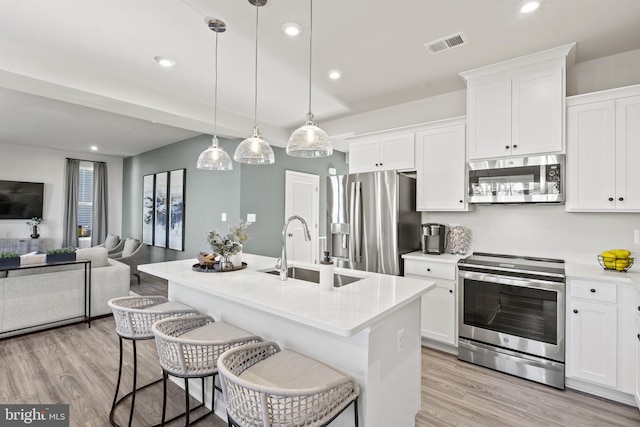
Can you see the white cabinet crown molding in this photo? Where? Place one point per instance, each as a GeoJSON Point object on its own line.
{"type": "Point", "coordinates": [409, 128]}
{"type": "Point", "coordinates": [566, 51]}
{"type": "Point", "coordinates": [603, 95]}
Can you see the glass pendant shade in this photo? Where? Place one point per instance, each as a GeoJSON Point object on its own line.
{"type": "Point", "coordinates": [254, 150]}
{"type": "Point", "coordinates": [309, 141]}
{"type": "Point", "coordinates": [214, 158]}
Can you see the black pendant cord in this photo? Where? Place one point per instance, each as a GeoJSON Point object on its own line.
{"type": "Point", "coordinates": [310, 50]}
{"type": "Point", "coordinates": [255, 94]}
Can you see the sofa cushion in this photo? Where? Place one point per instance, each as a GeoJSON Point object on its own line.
{"type": "Point", "coordinates": [97, 255]}
{"type": "Point", "coordinates": [130, 246]}
{"type": "Point", "coordinates": [111, 241]}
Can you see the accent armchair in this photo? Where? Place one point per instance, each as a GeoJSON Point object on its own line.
{"type": "Point", "coordinates": [113, 243]}
{"type": "Point", "coordinates": [132, 254]}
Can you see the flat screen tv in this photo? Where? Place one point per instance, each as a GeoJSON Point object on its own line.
{"type": "Point", "coordinates": [21, 200]}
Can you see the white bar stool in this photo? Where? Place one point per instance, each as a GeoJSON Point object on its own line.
{"type": "Point", "coordinates": [134, 316]}
{"type": "Point", "coordinates": [189, 347]}
{"type": "Point", "coordinates": [265, 386]}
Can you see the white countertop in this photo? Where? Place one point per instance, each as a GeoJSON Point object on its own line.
{"type": "Point", "coordinates": [593, 270]}
{"type": "Point", "coordinates": [344, 311]}
{"type": "Point", "coordinates": [443, 258]}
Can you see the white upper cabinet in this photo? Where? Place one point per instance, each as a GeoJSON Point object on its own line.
{"type": "Point", "coordinates": [603, 145]}
{"type": "Point", "coordinates": [441, 167]}
{"type": "Point", "coordinates": [394, 151]}
{"type": "Point", "coordinates": [516, 107]}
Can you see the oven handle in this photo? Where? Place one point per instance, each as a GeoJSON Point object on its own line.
{"type": "Point", "coordinates": [513, 281]}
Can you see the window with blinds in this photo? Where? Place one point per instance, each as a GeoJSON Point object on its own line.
{"type": "Point", "coordinates": [85, 199]}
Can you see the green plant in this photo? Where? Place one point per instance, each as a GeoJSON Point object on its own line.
{"type": "Point", "coordinates": [239, 234]}
{"type": "Point", "coordinates": [68, 250]}
{"type": "Point", "coordinates": [223, 244]}
{"type": "Point", "coordinates": [34, 221]}
{"type": "Point", "coordinates": [9, 255]}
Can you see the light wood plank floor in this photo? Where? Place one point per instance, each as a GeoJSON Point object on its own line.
{"type": "Point", "coordinates": [78, 366]}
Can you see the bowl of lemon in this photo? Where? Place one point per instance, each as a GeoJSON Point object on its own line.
{"type": "Point", "coordinates": [616, 260]}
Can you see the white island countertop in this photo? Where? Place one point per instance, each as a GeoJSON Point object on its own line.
{"type": "Point", "coordinates": [345, 311]}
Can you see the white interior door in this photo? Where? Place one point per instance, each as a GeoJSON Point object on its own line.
{"type": "Point", "coordinates": [302, 198]}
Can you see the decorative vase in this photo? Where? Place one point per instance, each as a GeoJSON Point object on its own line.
{"type": "Point", "coordinates": [34, 232]}
{"type": "Point", "coordinates": [225, 262]}
{"type": "Point", "coordinates": [237, 259]}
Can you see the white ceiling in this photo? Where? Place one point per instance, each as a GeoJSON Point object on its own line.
{"type": "Point", "coordinates": [75, 73]}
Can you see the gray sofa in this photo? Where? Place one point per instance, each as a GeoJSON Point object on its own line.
{"type": "Point", "coordinates": [39, 296]}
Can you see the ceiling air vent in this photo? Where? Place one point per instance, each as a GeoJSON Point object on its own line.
{"type": "Point", "coordinates": [446, 43]}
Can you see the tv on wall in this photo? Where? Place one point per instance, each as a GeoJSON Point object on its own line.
{"type": "Point", "coordinates": [21, 200]}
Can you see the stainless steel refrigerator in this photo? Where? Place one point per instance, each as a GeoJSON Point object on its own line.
{"type": "Point", "coordinates": [372, 220]}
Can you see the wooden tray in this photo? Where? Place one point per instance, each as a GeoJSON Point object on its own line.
{"type": "Point", "coordinates": [205, 269]}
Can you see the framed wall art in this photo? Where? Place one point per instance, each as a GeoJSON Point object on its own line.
{"type": "Point", "coordinates": [176, 209]}
{"type": "Point", "coordinates": [148, 208]}
{"type": "Point", "coordinates": [160, 211]}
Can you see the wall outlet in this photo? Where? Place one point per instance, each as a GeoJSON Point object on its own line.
{"type": "Point", "coordinates": [251, 217]}
{"type": "Point", "coordinates": [224, 217]}
{"type": "Point", "coordinates": [400, 337]}
{"type": "Point", "coordinates": [636, 237]}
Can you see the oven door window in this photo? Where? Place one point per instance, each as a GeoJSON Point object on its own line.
{"type": "Point", "coordinates": [515, 310]}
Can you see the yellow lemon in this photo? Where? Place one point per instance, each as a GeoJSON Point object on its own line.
{"type": "Point", "coordinates": [620, 253]}
{"type": "Point", "coordinates": [621, 264]}
{"type": "Point", "coordinates": [609, 259]}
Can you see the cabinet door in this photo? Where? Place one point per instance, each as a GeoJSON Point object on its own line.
{"type": "Point", "coordinates": [592, 342]}
{"type": "Point", "coordinates": [489, 119]}
{"type": "Point", "coordinates": [637, 367]}
{"type": "Point", "coordinates": [441, 169]}
{"type": "Point", "coordinates": [627, 193]}
{"type": "Point", "coordinates": [364, 156]}
{"type": "Point", "coordinates": [537, 103]}
{"type": "Point", "coordinates": [591, 156]}
{"type": "Point", "coordinates": [397, 152]}
{"type": "Point", "coordinates": [438, 317]}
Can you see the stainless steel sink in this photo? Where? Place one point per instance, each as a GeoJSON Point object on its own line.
{"type": "Point", "coordinates": [314, 276]}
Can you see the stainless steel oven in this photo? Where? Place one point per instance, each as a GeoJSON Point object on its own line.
{"type": "Point", "coordinates": [512, 312]}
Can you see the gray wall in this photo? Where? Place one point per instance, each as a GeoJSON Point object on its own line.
{"type": "Point", "coordinates": [262, 193]}
{"type": "Point", "coordinates": [247, 189]}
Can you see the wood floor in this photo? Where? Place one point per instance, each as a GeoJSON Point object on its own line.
{"type": "Point", "coordinates": [78, 366]}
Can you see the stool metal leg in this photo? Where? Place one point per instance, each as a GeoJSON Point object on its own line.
{"type": "Point", "coordinates": [186, 393]}
{"type": "Point", "coordinates": [355, 411]}
{"type": "Point", "coordinates": [164, 396]}
{"type": "Point", "coordinates": [135, 380]}
{"type": "Point", "coordinates": [115, 396]}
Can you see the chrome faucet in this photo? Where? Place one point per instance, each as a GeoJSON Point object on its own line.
{"type": "Point", "coordinates": [282, 266]}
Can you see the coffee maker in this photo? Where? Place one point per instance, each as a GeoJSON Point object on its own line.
{"type": "Point", "coordinates": [433, 238]}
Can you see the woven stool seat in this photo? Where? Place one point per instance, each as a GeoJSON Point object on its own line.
{"type": "Point", "coordinates": [265, 386]}
{"type": "Point", "coordinates": [189, 347]}
{"type": "Point", "coordinates": [134, 317]}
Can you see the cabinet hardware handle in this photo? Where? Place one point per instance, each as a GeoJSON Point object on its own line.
{"type": "Point", "coordinates": [611, 199]}
{"type": "Point", "coordinates": [639, 308]}
{"type": "Point", "coordinates": [515, 146]}
{"type": "Point", "coordinates": [450, 291]}
{"type": "Point", "coordinates": [428, 269]}
{"type": "Point", "coordinates": [380, 164]}
{"type": "Point", "coordinates": [461, 201]}
{"type": "Point", "coordinates": [290, 234]}
{"type": "Point", "coordinates": [593, 291]}
{"type": "Point", "coordinates": [575, 311]}
{"type": "Point", "coordinates": [506, 147]}
{"type": "Point", "coordinates": [639, 336]}
{"type": "Point", "coordinates": [620, 198]}
{"type": "Point", "coordinates": [377, 164]}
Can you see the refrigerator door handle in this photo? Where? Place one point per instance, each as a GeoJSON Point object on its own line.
{"type": "Point", "coordinates": [356, 220]}
{"type": "Point", "coordinates": [352, 216]}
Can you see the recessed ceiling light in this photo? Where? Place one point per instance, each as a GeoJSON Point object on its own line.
{"type": "Point", "coordinates": [94, 148]}
{"type": "Point", "coordinates": [292, 29]}
{"type": "Point", "coordinates": [165, 62]}
{"type": "Point", "coordinates": [334, 74]}
{"type": "Point", "coordinates": [530, 7]}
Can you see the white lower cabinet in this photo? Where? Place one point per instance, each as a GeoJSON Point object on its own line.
{"type": "Point", "coordinates": [438, 317]}
{"type": "Point", "coordinates": [637, 340]}
{"type": "Point", "coordinates": [600, 338]}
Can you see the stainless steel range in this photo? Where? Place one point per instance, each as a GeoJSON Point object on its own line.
{"type": "Point", "coordinates": [512, 312]}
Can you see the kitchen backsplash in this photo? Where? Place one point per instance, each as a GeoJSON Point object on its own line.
{"type": "Point", "coordinates": [542, 230]}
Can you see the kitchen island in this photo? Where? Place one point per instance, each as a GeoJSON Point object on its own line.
{"type": "Point", "coordinates": [369, 328]}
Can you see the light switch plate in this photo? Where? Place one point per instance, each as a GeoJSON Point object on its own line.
{"type": "Point", "coordinates": [224, 217]}
{"type": "Point", "coordinates": [251, 217]}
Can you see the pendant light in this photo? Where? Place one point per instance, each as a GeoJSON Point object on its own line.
{"type": "Point", "coordinates": [214, 157]}
{"type": "Point", "coordinates": [255, 150]}
{"type": "Point", "coordinates": [309, 140]}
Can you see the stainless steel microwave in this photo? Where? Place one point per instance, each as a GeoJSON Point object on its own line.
{"type": "Point", "coordinates": [535, 179]}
